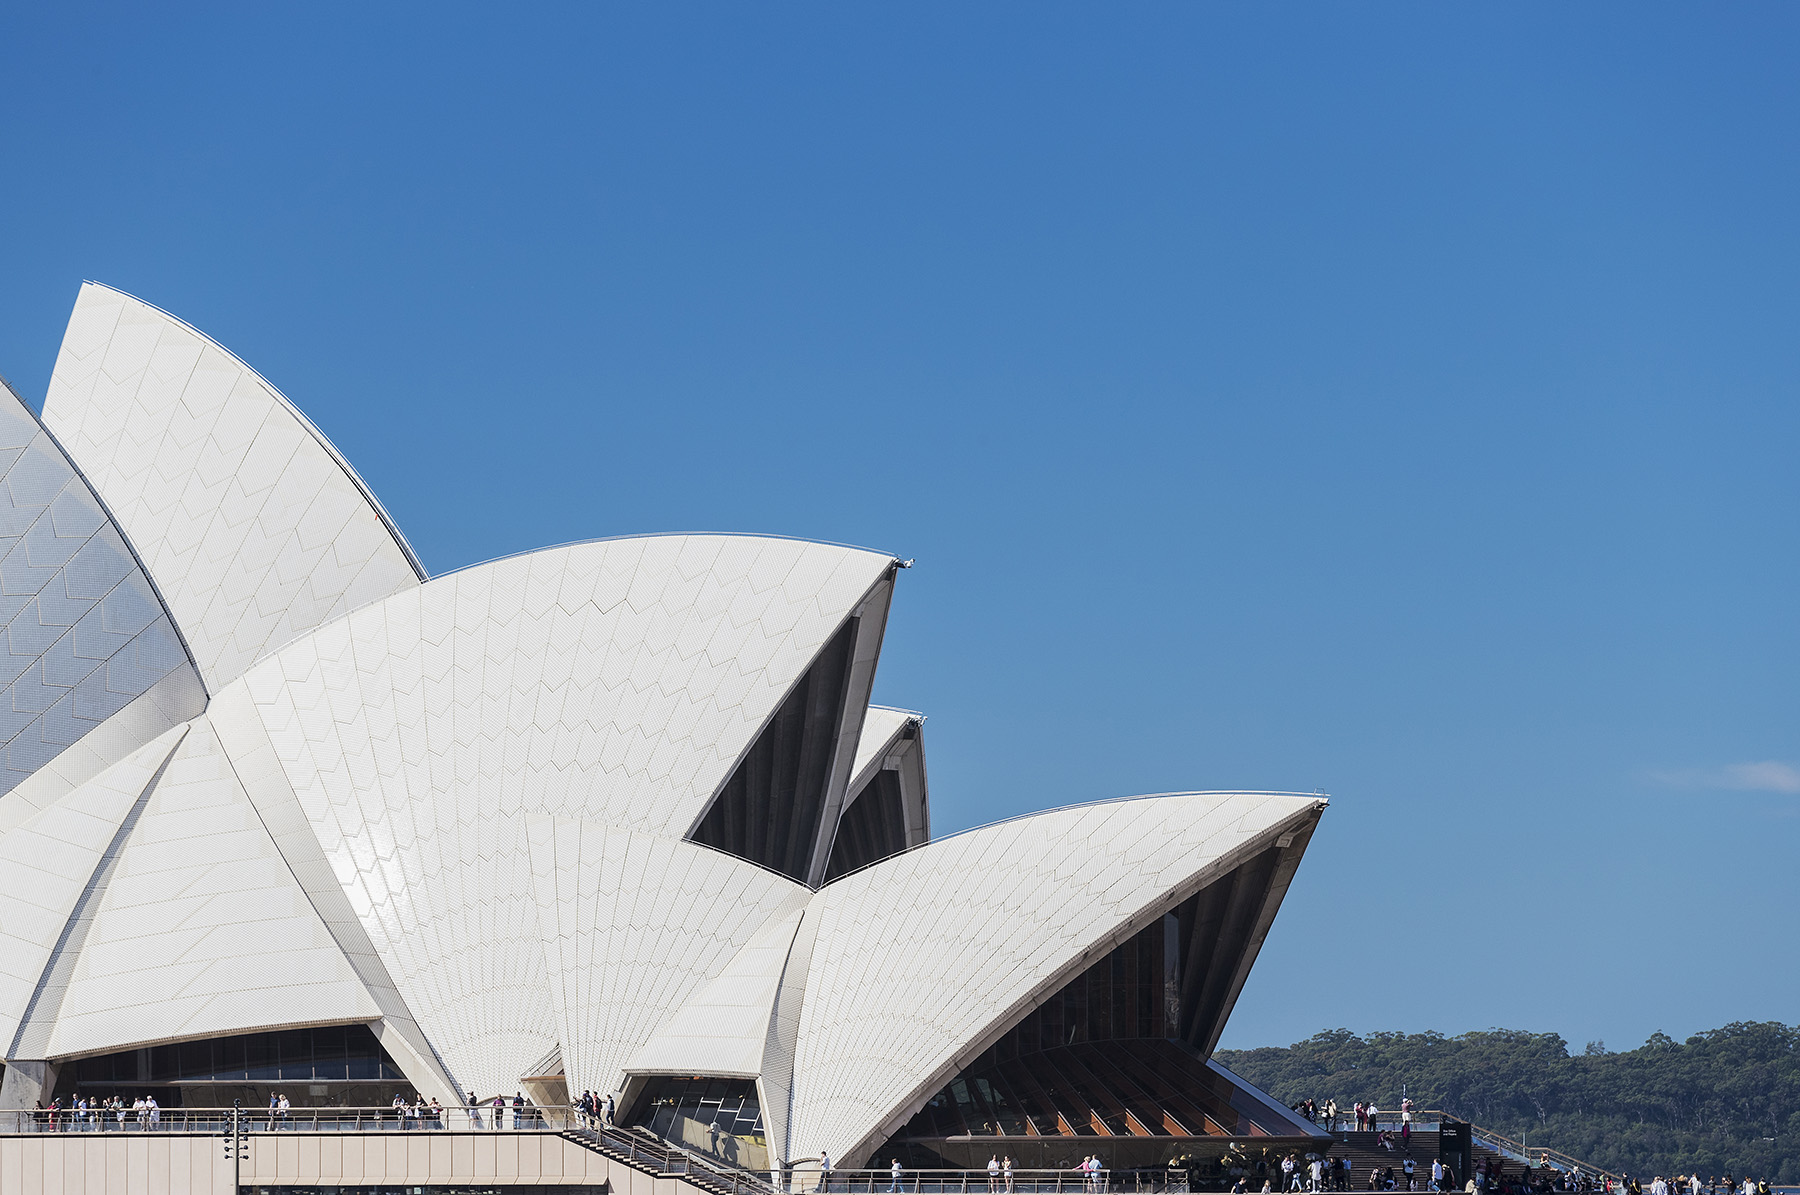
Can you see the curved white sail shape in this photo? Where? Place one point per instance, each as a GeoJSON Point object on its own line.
{"type": "Point", "coordinates": [617, 681]}
{"type": "Point", "coordinates": [918, 958]}
{"type": "Point", "coordinates": [84, 632]}
{"type": "Point", "coordinates": [201, 909]}
{"type": "Point", "coordinates": [253, 527]}
{"type": "Point", "coordinates": [633, 925]}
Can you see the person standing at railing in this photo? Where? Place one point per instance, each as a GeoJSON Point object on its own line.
{"type": "Point", "coordinates": [824, 1158]}
{"type": "Point", "coordinates": [993, 1169]}
{"type": "Point", "coordinates": [1006, 1173]}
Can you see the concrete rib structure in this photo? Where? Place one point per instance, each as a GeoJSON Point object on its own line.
{"type": "Point", "coordinates": [616, 816]}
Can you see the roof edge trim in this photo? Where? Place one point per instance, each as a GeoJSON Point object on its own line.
{"type": "Point", "coordinates": [1321, 799]}
{"type": "Point", "coordinates": [612, 539]}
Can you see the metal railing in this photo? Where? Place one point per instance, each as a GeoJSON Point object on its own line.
{"type": "Point", "coordinates": [944, 1182]}
{"type": "Point", "coordinates": [290, 1120]}
{"type": "Point", "coordinates": [1430, 1120]}
{"type": "Point", "coordinates": [1534, 1155]}
{"type": "Point", "coordinates": [641, 1148]}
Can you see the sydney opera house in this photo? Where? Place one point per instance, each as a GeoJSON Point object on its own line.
{"type": "Point", "coordinates": [279, 811]}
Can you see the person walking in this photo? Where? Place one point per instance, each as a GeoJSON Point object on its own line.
{"type": "Point", "coordinates": [895, 1171]}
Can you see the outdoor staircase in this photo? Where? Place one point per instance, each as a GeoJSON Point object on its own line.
{"type": "Point", "coordinates": [1502, 1154]}
{"type": "Point", "coordinates": [647, 1153]}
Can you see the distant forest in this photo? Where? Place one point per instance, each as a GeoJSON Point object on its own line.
{"type": "Point", "coordinates": [1708, 1105]}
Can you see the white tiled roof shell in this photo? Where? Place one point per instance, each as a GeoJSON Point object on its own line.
{"type": "Point", "coordinates": [616, 681]}
{"type": "Point", "coordinates": [879, 727]}
{"type": "Point", "coordinates": [254, 528]}
{"type": "Point", "coordinates": [723, 1028]}
{"type": "Point", "coordinates": [202, 930]}
{"type": "Point", "coordinates": [81, 628]}
{"type": "Point", "coordinates": [921, 955]}
{"type": "Point", "coordinates": [633, 926]}
{"type": "Point", "coordinates": [48, 861]}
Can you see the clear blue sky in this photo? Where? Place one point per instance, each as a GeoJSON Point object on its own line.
{"type": "Point", "coordinates": [1399, 401]}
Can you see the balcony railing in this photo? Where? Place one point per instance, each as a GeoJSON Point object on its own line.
{"type": "Point", "coordinates": [951, 1182]}
{"type": "Point", "coordinates": [291, 1120]}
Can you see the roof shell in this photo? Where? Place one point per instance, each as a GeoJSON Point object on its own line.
{"type": "Point", "coordinates": [253, 526]}
{"type": "Point", "coordinates": [616, 681]}
{"type": "Point", "coordinates": [921, 957]}
{"type": "Point", "coordinates": [84, 631]}
{"type": "Point", "coordinates": [634, 926]}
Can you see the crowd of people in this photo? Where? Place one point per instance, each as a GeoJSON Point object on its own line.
{"type": "Point", "coordinates": [97, 1115]}
{"type": "Point", "coordinates": [1393, 1135]}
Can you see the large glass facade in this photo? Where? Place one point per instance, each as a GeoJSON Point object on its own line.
{"type": "Point", "coordinates": [718, 1117]}
{"type": "Point", "coordinates": [334, 1061]}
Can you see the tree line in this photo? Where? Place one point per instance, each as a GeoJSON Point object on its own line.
{"type": "Point", "coordinates": [1723, 1101]}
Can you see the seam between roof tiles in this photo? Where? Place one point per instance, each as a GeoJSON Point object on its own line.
{"type": "Point", "coordinates": [356, 480]}
{"type": "Point", "coordinates": [130, 547]}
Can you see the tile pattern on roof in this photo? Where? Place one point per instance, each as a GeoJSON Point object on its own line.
{"type": "Point", "coordinates": [615, 681]}
{"type": "Point", "coordinates": [252, 526]}
{"type": "Point", "coordinates": [633, 925]}
{"type": "Point", "coordinates": [84, 631]}
{"type": "Point", "coordinates": [49, 862]}
{"type": "Point", "coordinates": [920, 954]}
{"type": "Point", "coordinates": [723, 1027]}
{"type": "Point", "coordinates": [880, 725]}
{"type": "Point", "coordinates": [202, 911]}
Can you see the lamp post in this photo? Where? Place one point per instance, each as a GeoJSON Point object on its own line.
{"type": "Point", "coordinates": [234, 1145]}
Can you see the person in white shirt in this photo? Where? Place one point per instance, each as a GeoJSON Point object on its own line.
{"type": "Point", "coordinates": [1314, 1172]}
{"type": "Point", "coordinates": [994, 1173]}
{"type": "Point", "coordinates": [895, 1171]}
{"type": "Point", "coordinates": [824, 1171]}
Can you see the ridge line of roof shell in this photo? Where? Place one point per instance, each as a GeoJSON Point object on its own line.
{"type": "Point", "coordinates": [1321, 798]}
{"type": "Point", "coordinates": [899, 709]}
{"type": "Point", "coordinates": [607, 539]}
{"type": "Point", "coordinates": [610, 539]}
{"type": "Point", "coordinates": [312, 429]}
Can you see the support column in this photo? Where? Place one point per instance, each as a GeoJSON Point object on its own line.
{"type": "Point", "coordinates": [27, 1082]}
